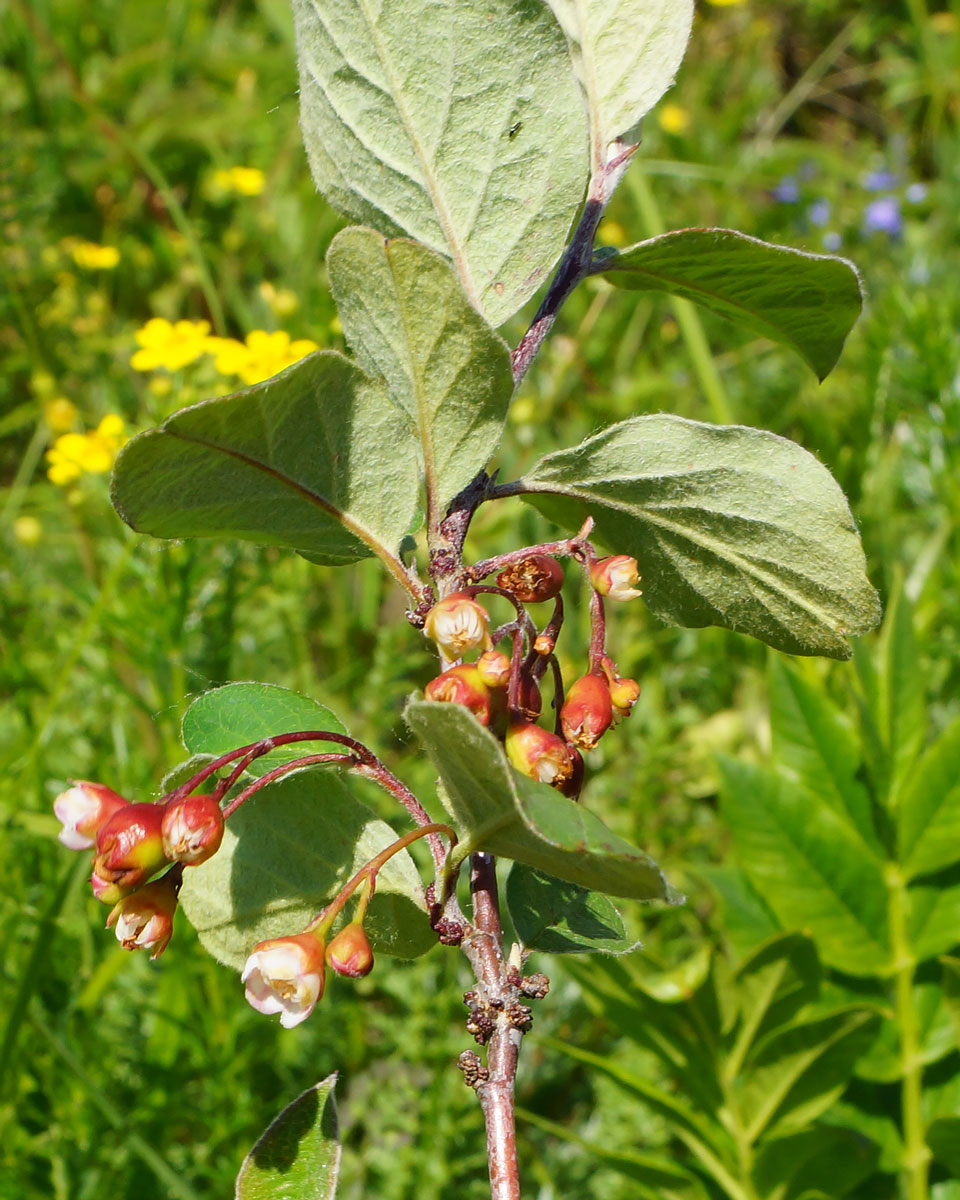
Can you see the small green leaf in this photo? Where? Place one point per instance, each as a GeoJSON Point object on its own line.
{"type": "Point", "coordinates": [816, 747]}
{"type": "Point", "coordinates": [883, 1063]}
{"type": "Point", "coordinates": [455, 122]}
{"type": "Point", "coordinates": [285, 853]}
{"type": "Point", "coordinates": [747, 919]}
{"type": "Point", "coordinates": [317, 459]}
{"type": "Point", "coordinates": [407, 320]}
{"type": "Point", "coordinates": [298, 1156]}
{"type": "Point", "coordinates": [626, 53]}
{"type": "Point", "coordinates": [943, 1138]}
{"type": "Point", "coordinates": [810, 866]}
{"type": "Point", "coordinates": [901, 711]}
{"type": "Point", "coordinates": [796, 1072]}
{"type": "Point", "coordinates": [731, 526]}
{"type": "Point", "coordinates": [951, 991]}
{"type": "Point", "coordinates": [505, 813]}
{"type": "Point", "coordinates": [822, 1157]}
{"type": "Point", "coordinates": [928, 812]}
{"type": "Point", "coordinates": [562, 918]}
{"type": "Point", "coordinates": [807, 301]}
{"type": "Point", "coordinates": [775, 982]}
{"type": "Point", "coordinates": [240, 713]}
{"type": "Point", "coordinates": [933, 915]}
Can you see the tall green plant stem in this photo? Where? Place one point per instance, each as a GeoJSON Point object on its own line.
{"type": "Point", "coordinates": [688, 319]}
{"type": "Point", "coordinates": [916, 1152]}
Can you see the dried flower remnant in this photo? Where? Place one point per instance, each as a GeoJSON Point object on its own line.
{"type": "Point", "coordinates": [539, 577]}
{"type": "Point", "coordinates": [285, 975]}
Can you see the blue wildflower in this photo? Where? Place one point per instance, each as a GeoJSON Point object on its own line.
{"type": "Point", "coordinates": [832, 240]}
{"type": "Point", "coordinates": [883, 216]}
{"type": "Point", "coordinates": [916, 193]}
{"type": "Point", "coordinates": [880, 181]}
{"type": "Point", "coordinates": [818, 214]}
{"type": "Point", "coordinates": [786, 191]}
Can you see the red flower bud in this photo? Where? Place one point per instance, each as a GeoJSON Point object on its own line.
{"type": "Point", "coordinates": [458, 623]}
{"type": "Point", "coordinates": [349, 953]}
{"type": "Point", "coordinates": [192, 829]}
{"type": "Point", "coordinates": [538, 577]}
{"type": "Point", "coordinates": [462, 685]}
{"type": "Point", "coordinates": [539, 754]}
{"type": "Point", "coordinates": [616, 577]}
{"type": "Point", "coordinates": [144, 919]}
{"type": "Point", "coordinates": [84, 809]}
{"type": "Point", "coordinates": [494, 668]}
{"type": "Point", "coordinates": [587, 712]}
{"type": "Point", "coordinates": [129, 851]}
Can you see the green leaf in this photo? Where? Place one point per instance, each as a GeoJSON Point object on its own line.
{"type": "Point", "coordinates": [240, 713]}
{"type": "Point", "coordinates": [317, 459]}
{"type": "Point", "coordinates": [807, 301]}
{"type": "Point", "coordinates": [795, 1073]}
{"type": "Point", "coordinates": [777, 980]}
{"type": "Point", "coordinates": [747, 919]}
{"type": "Point", "coordinates": [928, 813]}
{"type": "Point", "coordinates": [409, 323]}
{"type": "Point", "coordinates": [883, 1063]}
{"type": "Point", "coordinates": [901, 711]}
{"type": "Point", "coordinates": [822, 1157]}
{"type": "Point", "coordinates": [816, 748]}
{"type": "Point", "coordinates": [810, 867]}
{"type": "Point", "coordinates": [731, 526]}
{"type": "Point", "coordinates": [505, 813]}
{"type": "Point", "coordinates": [298, 1156]}
{"type": "Point", "coordinates": [286, 852]}
{"type": "Point", "coordinates": [933, 916]}
{"type": "Point", "coordinates": [626, 53]}
{"type": "Point", "coordinates": [951, 991]}
{"type": "Point", "coordinates": [556, 917]}
{"type": "Point", "coordinates": [943, 1138]}
{"type": "Point", "coordinates": [455, 122]}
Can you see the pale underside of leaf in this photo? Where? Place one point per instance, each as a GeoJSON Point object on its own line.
{"type": "Point", "coordinates": [731, 526]}
{"type": "Point", "coordinates": [456, 122]}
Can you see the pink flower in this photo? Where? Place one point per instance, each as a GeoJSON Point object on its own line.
{"type": "Point", "coordinates": [285, 975]}
{"type": "Point", "coordinates": [144, 920]}
{"type": "Point", "coordinates": [84, 809]}
{"type": "Point", "coordinates": [192, 829]}
{"type": "Point", "coordinates": [616, 577]}
{"type": "Point", "coordinates": [457, 623]}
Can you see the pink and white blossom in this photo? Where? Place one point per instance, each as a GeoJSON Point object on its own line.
{"type": "Point", "coordinates": [285, 975]}
{"type": "Point", "coordinates": [144, 920]}
{"type": "Point", "coordinates": [457, 624]}
{"type": "Point", "coordinates": [616, 577]}
{"type": "Point", "coordinates": [84, 809]}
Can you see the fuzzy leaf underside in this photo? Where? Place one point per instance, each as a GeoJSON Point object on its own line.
{"type": "Point", "coordinates": [809, 302]}
{"type": "Point", "coordinates": [625, 54]}
{"type": "Point", "coordinates": [317, 459]}
{"type": "Point", "coordinates": [454, 122]}
{"type": "Point", "coordinates": [409, 323]}
{"type": "Point", "coordinates": [504, 813]}
{"type": "Point", "coordinates": [298, 1155]}
{"type": "Point", "coordinates": [731, 526]}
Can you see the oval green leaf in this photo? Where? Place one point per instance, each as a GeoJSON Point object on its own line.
{"type": "Point", "coordinates": [455, 122]}
{"type": "Point", "coordinates": [557, 917]}
{"type": "Point", "coordinates": [504, 813]}
{"type": "Point", "coordinates": [409, 323]}
{"type": "Point", "coordinates": [731, 526]}
{"type": "Point", "coordinates": [298, 1156]}
{"type": "Point", "coordinates": [809, 302]}
{"type": "Point", "coordinates": [317, 459]}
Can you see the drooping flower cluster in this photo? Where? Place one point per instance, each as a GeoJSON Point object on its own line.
{"type": "Point", "coordinates": [503, 691]}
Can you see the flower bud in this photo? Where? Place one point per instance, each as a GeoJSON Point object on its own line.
{"type": "Point", "coordinates": [544, 644]}
{"type": "Point", "coordinates": [457, 623]}
{"type": "Point", "coordinates": [285, 975]}
{"type": "Point", "coordinates": [129, 851]}
{"type": "Point", "coordinates": [349, 953]}
{"type": "Point", "coordinates": [494, 668]}
{"type": "Point", "coordinates": [192, 829]}
{"type": "Point", "coordinates": [624, 693]}
{"type": "Point", "coordinates": [462, 685]}
{"type": "Point", "coordinates": [84, 809]}
{"type": "Point", "coordinates": [144, 919]}
{"type": "Point", "coordinates": [616, 577]}
{"type": "Point", "coordinates": [587, 712]}
{"type": "Point", "coordinates": [539, 754]}
{"type": "Point", "coordinates": [538, 577]}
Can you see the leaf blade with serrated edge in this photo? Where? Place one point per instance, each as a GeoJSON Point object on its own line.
{"type": "Point", "coordinates": [408, 321]}
{"type": "Point", "coordinates": [455, 122]}
{"type": "Point", "coordinates": [809, 302]}
{"type": "Point", "coordinates": [298, 1154]}
{"type": "Point", "coordinates": [625, 53]}
{"type": "Point", "coordinates": [317, 459]}
{"type": "Point", "coordinates": [507, 814]}
{"type": "Point", "coordinates": [285, 854]}
{"type": "Point", "coordinates": [731, 526]}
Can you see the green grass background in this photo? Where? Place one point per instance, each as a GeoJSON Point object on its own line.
{"type": "Point", "coordinates": [128, 1079]}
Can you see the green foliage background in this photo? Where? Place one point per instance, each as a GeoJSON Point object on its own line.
{"type": "Point", "coordinates": [124, 1078]}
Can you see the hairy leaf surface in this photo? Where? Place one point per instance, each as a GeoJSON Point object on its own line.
{"type": "Point", "coordinates": [731, 526]}
{"type": "Point", "coordinates": [298, 1155]}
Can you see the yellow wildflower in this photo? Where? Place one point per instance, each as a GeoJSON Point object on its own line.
{"type": "Point", "coordinates": [92, 257]}
{"type": "Point", "coordinates": [261, 356]}
{"type": "Point", "coordinates": [245, 181]}
{"type": "Point", "coordinates": [27, 530]}
{"type": "Point", "coordinates": [172, 346]}
{"type": "Point", "coordinates": [673, 119]}
{"type": "Point", "coordinates": [74, 454]}
{"type": "Point", "coordinates": [612, 233]}
{"type": "Point", "coordinates": [281, 301]}
{"type": "Point", "coordinates": [60, 414]}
